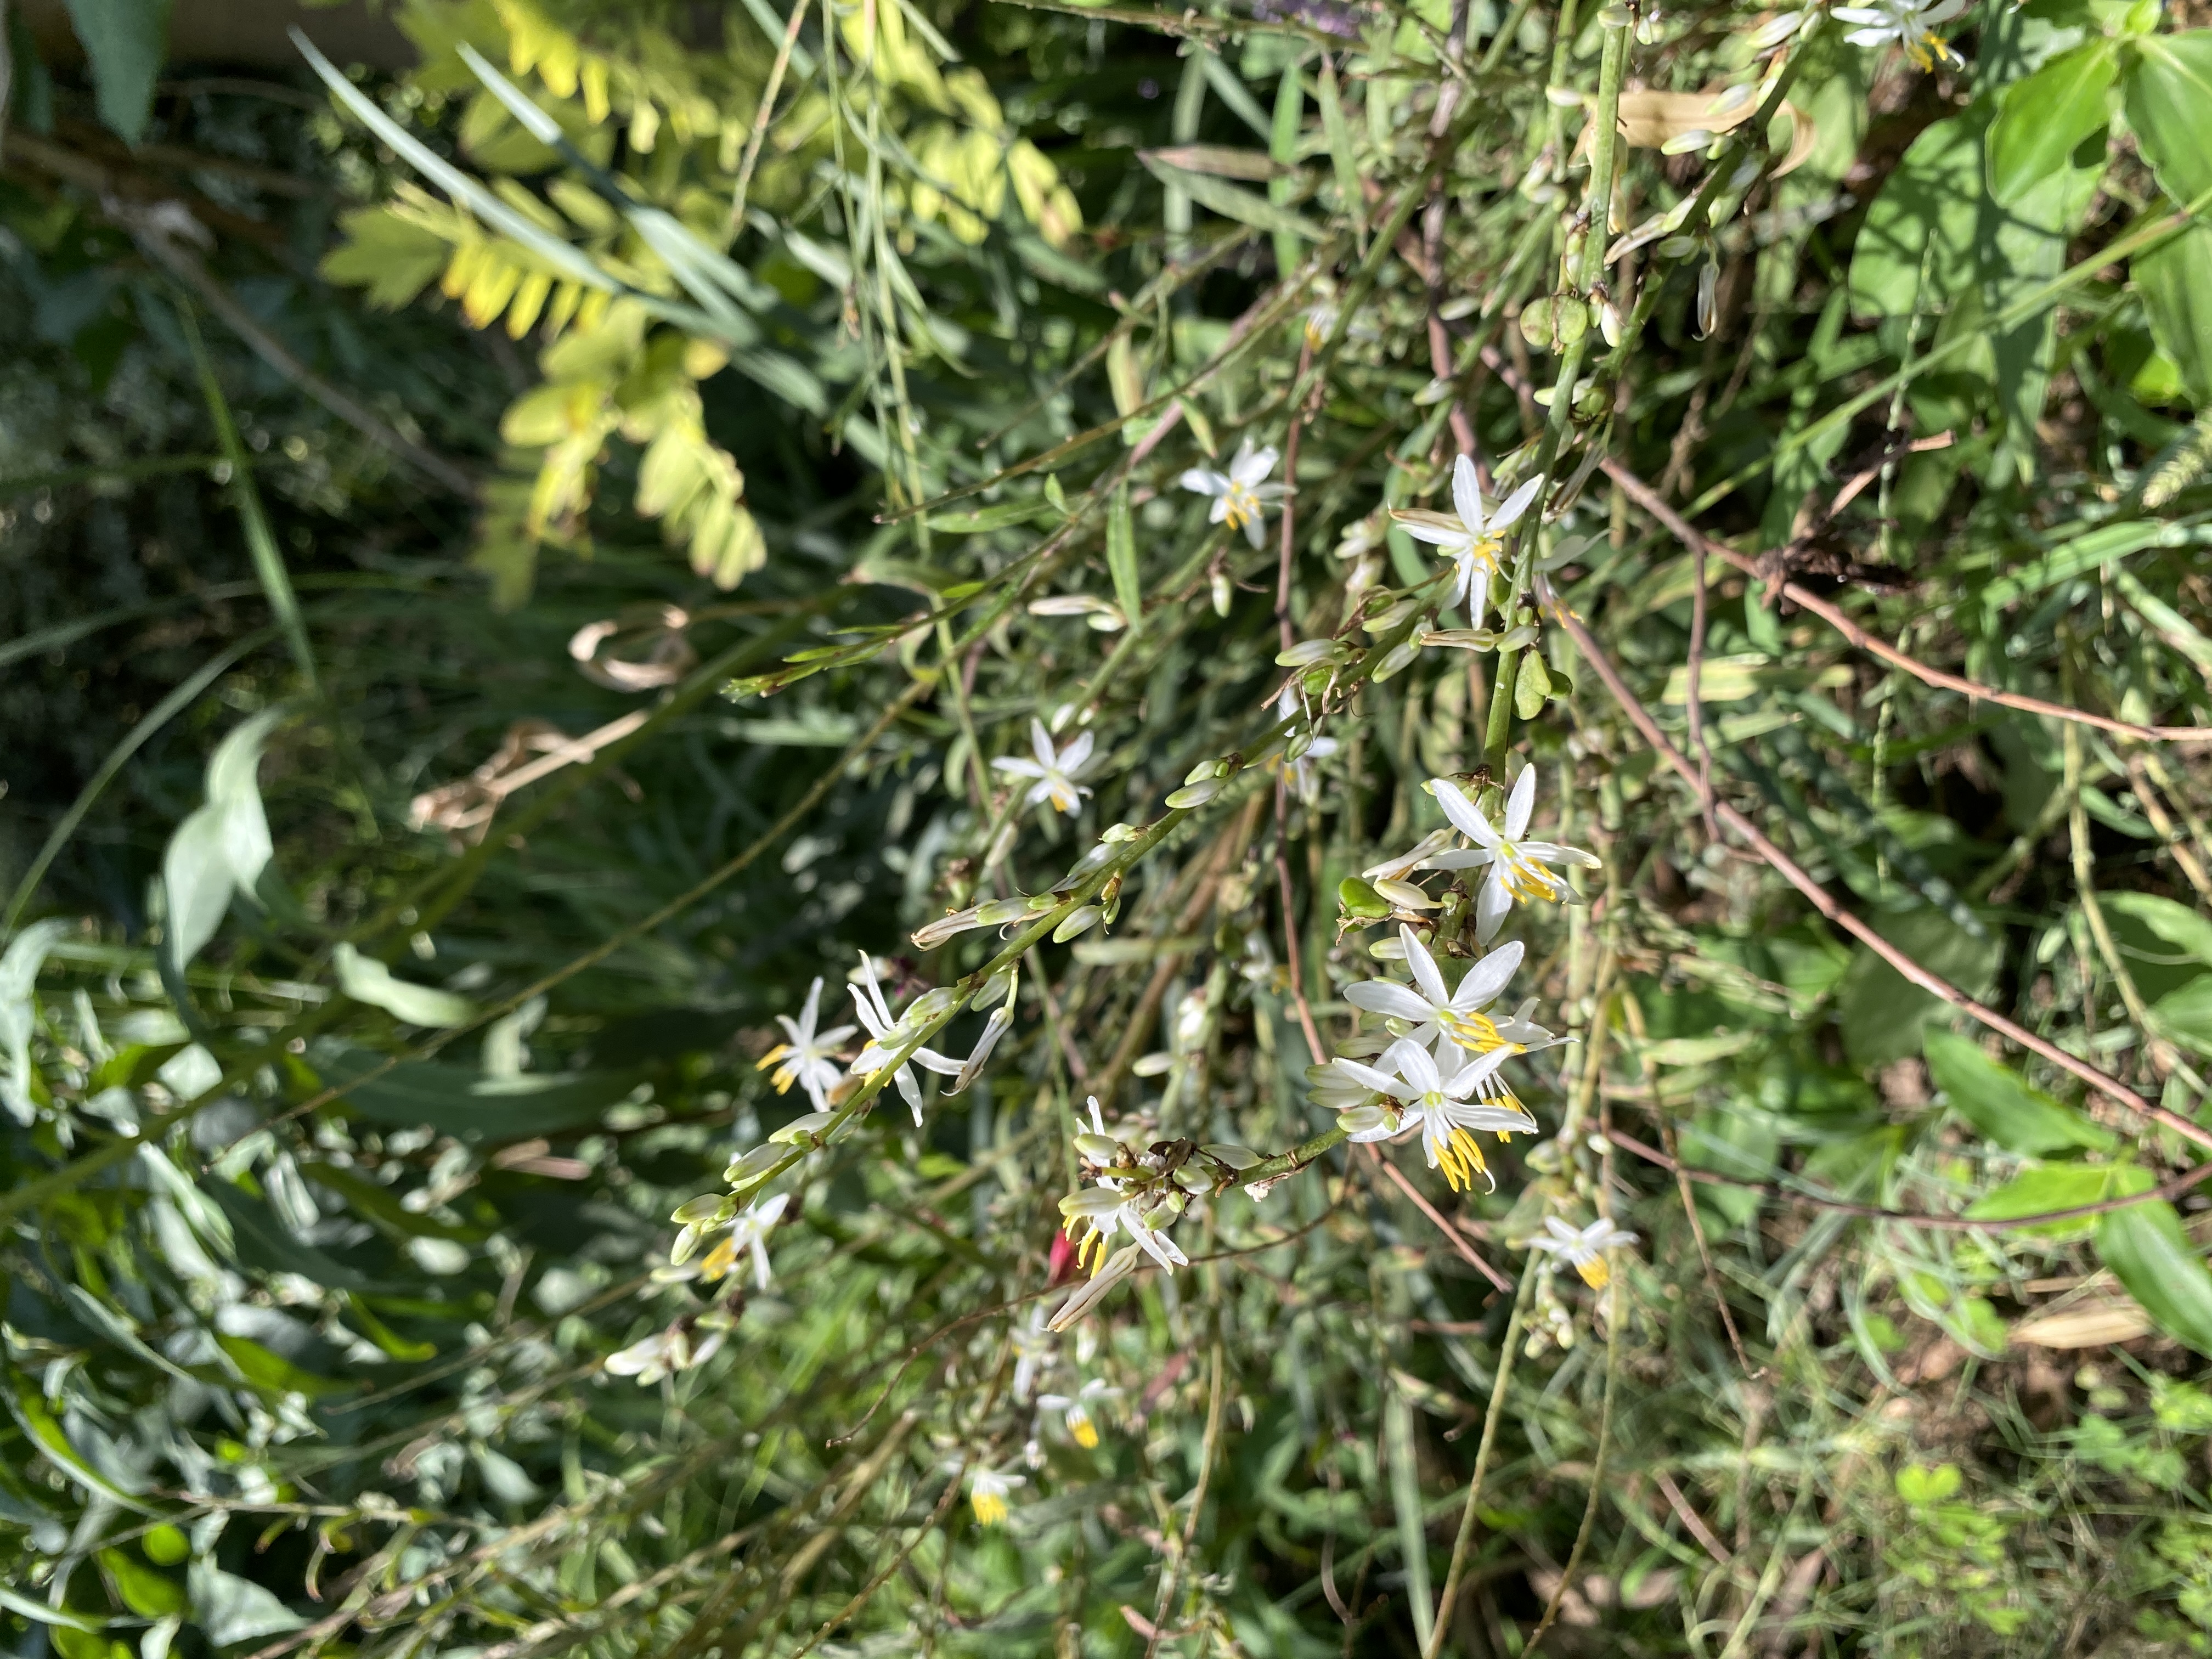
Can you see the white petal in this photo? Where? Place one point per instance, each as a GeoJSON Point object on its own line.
{"type": "Point", "coordinates": [1256, 532]}
{"type": "Point", "coordinates": [1203, 481]}
{"type": "Point", "coordinates": [1473, 859]}
{"type": "Point", "coordinates": [877, 1025]}
{"type": "Point", "coordinates": [1521, 805]}
{"type": "Point", "coordinates": [1490, 905]}
{"type": "Point", "coordinates": [1436, 534]}
{"type": "Point", "coordinates": [1019, 766]}
{"type": "Point", "coordinates": [1516, 505]}
{"type": "Point", "coordinates": [1465, 495]}
{"type": "Point", "coordinates": [807, 1014]}
{"type": "Point", "coordinates": [1425, 973]}
{"type": "Point", "coordinates": [1546, 851]}
{"type": "Point", "coordinates": [1466, 817]}
{"type": "Point", "coordinates": [1387, 997]}
{"type": "Point", "coordinates": [1073, 758]}
{"type": "Point", "coordinates": [1251, 468]}
{"type": "Point", "coordinates": [1488, 977]}
{"type": "Point", "coordinates": [1368, 1078]}
{"type": "Point", "coordinates": [1413, 1063]}
{"type": "Point", "coordinates": [1040, 744]}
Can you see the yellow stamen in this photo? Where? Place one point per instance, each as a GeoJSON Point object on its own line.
{"type": "Point", "coordinates": [990, 1508]}
{"type": "Point", "coordinates": [1525, 879]}
{"type": "Point", "coordinates": [1080, 1426]}
{"type": "Point", "coordinates": [1594, 1272]}
{"type": "Point", "coordinates": [1475, 1031]}
{"type": "Point", "coordinates": [721, 1259]}
{"type": "Point", "coordinates": [1242, 507]}
{"type": "Point", "coordinates": [785, 1074]}
{"type": "Point", "coordinates": [1460, 1159]}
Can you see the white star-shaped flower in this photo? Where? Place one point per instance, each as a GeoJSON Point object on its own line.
{"type": "Point", "coordinates": [1094, 1214]}
{"type": "Point", "coordinates": [1904, 23]}
{"type": "Point", "coordinates": [1472, 539]}
{"type": "Point", "coordinates": [1428, 1007]}
{"type": "Point", "coordinates": [1054, 770]}
{"type": "Point", "coordinates": [1242, 494]}
{"type": "Point", "coordinates": [809, 1059]}
{"type": "Point", "coordinates": [1517, 871]}
{"type": "Point", "coordinates": [1444, 1102]}
{"type": "Point", "coordinates": [1582, 1248]}
{"type": "Point", "coordinates": [1075, 1409]}
{"type": "Point", "coordinates": [885, 1039]}
{"type": "Point", "coordinates": [986, 1493]}
{"type": "Point", "coordinates": [748, 1232]}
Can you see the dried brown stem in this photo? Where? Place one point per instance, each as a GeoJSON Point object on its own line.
{"type": "Point", "coordinates": [2103, 1082]}
{"type": "Point", "coordinates": [1681, 528]}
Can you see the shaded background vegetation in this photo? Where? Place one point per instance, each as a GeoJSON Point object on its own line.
{"type": "Point", "coordinates": [317, 1365]}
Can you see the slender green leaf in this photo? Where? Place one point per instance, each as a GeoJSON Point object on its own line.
{"type": "Point", "coordinates": [1230, 201]}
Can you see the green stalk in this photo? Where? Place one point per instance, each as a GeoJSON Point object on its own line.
{"type": "Point", "coordinates": [1605, 162]}
{"type": "Point", "coordinates": [267, 562]}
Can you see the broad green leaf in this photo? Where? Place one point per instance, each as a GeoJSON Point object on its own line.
{"type": "Point", "coordinates": [367, 980]}
{"type": "Point", "coordinates": [2044, 118]}
{"type": "Point", "coordinates": [262, 1241]}
{"type": "Point", "coordinates": [2169, 104]}
{"type": "Point", "coordinates": [1998, 1102]}
{"type": "Point", "coordinates": [2186, 1016]}
{"type": "Point", "coordinates": [1927, 211]}
{"type": "Point", "coordinates": [19, 978]}
{"type": "Point", "coordinates": [228, 1608]}
{"type": "Point", "coordinates": [126, 42]}
{"type": "Point", "coordinates": [2177, 924]}
{"type": "Point", "coordinates": [221, 849]}
{"type": "Point", "coordinates": [457, 1101]}
{"type": "Point", "coordinates": [2148, 1253]}
{"type": "Point", "coordinates": [2174, 282]}
{"type": "Point", "coordinates": [1233, 202]}
{"type": "Point", "coordinates": [2058, 1187]}
{"type": "Point", "coordinates": [1880, 1010]}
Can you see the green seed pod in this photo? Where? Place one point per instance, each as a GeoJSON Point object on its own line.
{"type": "Point", "coordinates": [1536, 323]}
{"type": "Point", "coordinates": [1360, 898]}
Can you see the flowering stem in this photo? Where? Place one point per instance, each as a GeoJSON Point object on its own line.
{"type": "Point", "coordinates": [1604, 161]}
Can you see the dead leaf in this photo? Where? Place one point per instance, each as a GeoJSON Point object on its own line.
{"type": "Point", "coordinates": [2090, 1324]}
{"type": "Point", "coordinates": [1220, 160]}
{"type": "Point", "coordinates": [1648, 120]}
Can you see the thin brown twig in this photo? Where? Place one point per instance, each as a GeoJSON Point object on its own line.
{"type": "Point", "coordinates": [1693, 674]}
{"type": "Point", "coordinates": [1692, 1523]}
{"type": "Point", "coordinates": [1681, 528]}
{"type": "Point", "coordinates": [1442, 1223]}
{"type": "Point", "coordinates": [2103, 1082]}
